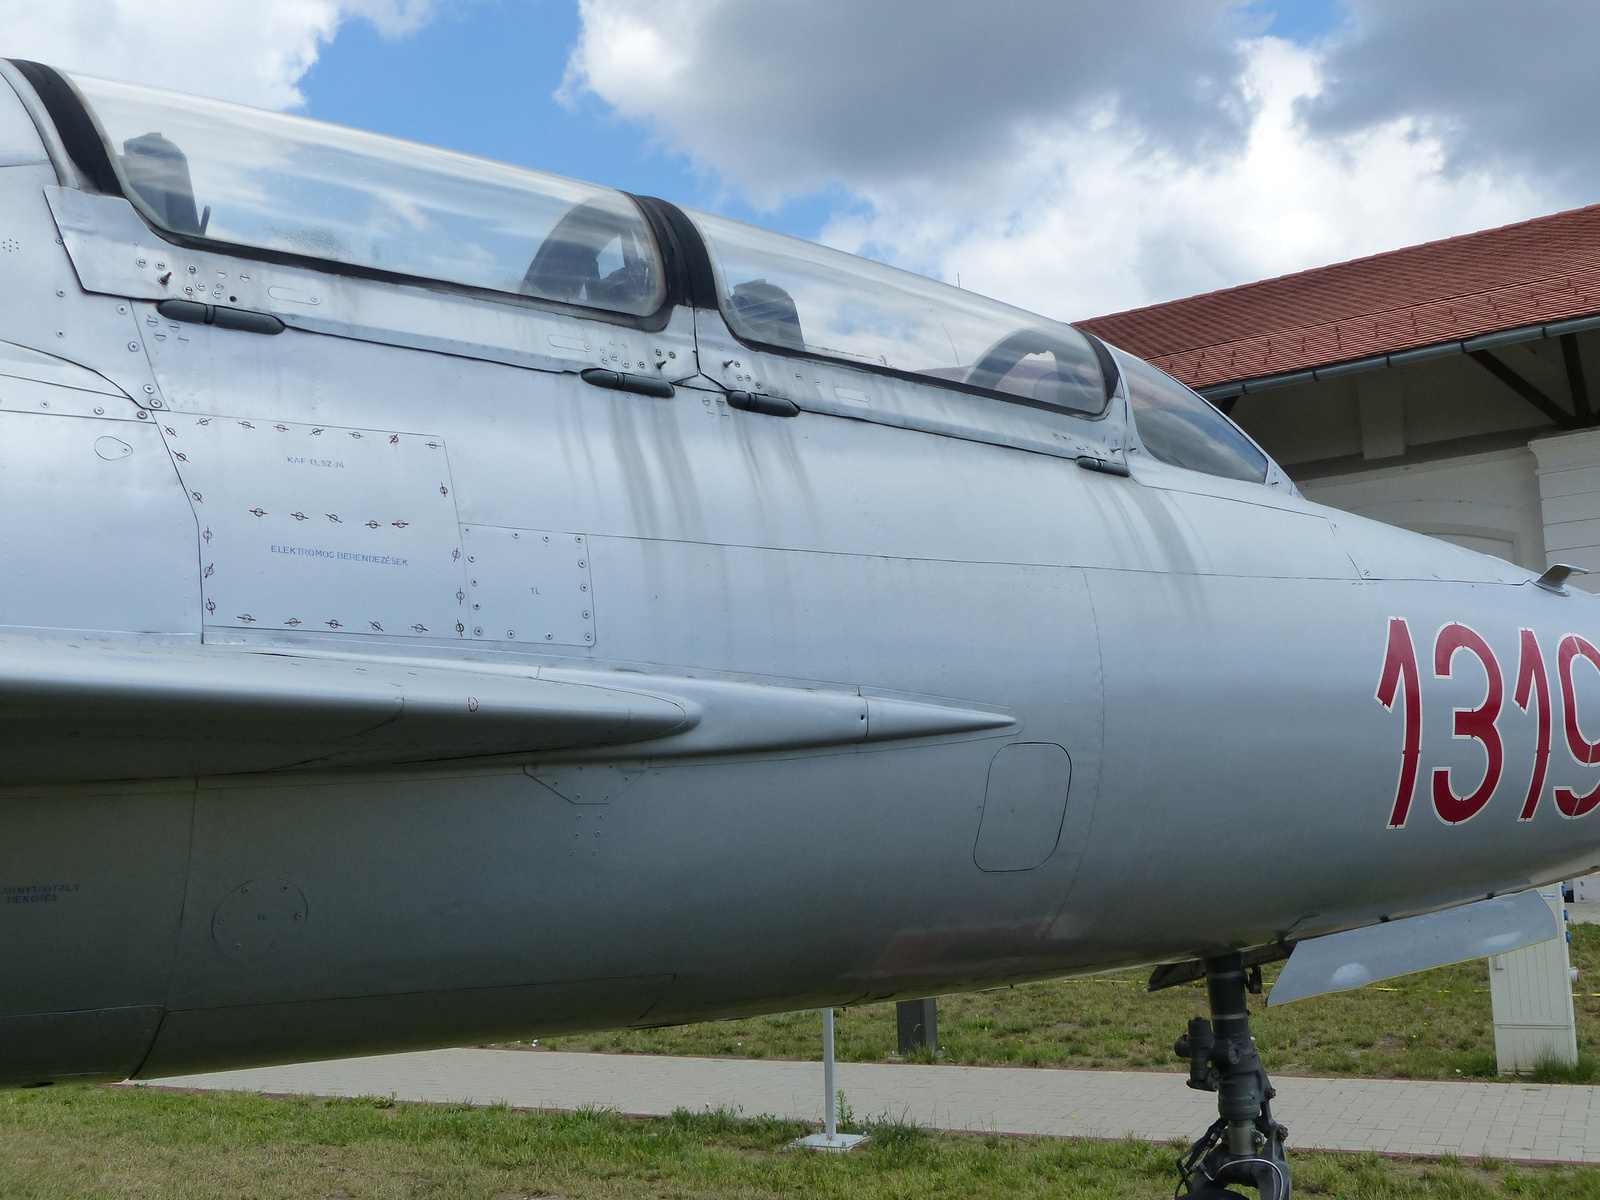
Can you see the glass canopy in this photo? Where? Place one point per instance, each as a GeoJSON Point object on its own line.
{"type": "Point", "coordinates": [242, 175]}
{"type": "Point", "coordinates": [1181, 428]}
{"type": "Point", "coordinates": [795, 295]}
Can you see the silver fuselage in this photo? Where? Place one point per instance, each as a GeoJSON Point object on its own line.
{"type": "Point", "coordinates": [888, 699]}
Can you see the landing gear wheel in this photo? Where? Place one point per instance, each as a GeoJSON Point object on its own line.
{"type": "Point", "coordinates": [1244, 1147]}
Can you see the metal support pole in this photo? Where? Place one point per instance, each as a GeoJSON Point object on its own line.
{"type": "Point", "coordinates": [830, 1115]}
{"type": "Point", "coordinates": [830, 1138]}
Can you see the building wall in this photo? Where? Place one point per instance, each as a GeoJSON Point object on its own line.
{"type": "Point", "coordinates": [1489, 502]}
{"type": "Point", "coordinates": [1308, 423]}
{"type": "Point", "coordinates": [1441, 407]}
{"type": "Point", "coordinates": [1569, 487]}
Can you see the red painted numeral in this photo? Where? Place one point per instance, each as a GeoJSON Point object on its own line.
{"type": "Point", "coordinates": [1531, 675]}
{"type": "Point", "coordinates": [1400, 666]}
{"type": "Point", "coordinates": [1573, 647]}
{"type": "Point", "coordinates": [1476, 723]}
{"type": "Point", "coordinates": [1401, 681]}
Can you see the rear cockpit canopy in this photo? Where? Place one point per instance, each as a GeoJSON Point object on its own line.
{"type": "Point", "coordinates": [795, 295]}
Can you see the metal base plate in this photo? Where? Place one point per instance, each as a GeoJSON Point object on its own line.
{"type": "Point", "coordinates": [839, 1143]}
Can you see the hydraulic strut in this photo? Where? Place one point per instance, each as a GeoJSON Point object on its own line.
{"type": "Point", "coordinates": [1245, 1145]}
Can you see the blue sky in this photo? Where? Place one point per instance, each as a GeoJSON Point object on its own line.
{"type": "Point", "coordinates": [481, 77]}
{"type": "Point", "coordinates": [1303, 21]}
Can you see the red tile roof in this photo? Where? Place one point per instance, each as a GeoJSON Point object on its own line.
{"type": "Point", "coordinates": [1547, 269]}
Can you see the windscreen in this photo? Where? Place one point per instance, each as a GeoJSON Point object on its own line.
{"type": "Point", "coordinates": [254, 178]}
{"type": "Point", "coordinates": [1181, 428]}
{"type": "Point", "coordinates": [790, 294]}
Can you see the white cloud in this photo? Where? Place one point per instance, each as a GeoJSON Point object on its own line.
{"type": "Point", "coordinates": [1511, 86]}
{"type": "Point", "coordinates": [781, 96]}
{"type": "Point", "coordinates": [393, 18]}
{"type": "Point", "coordinates": [1069, 156]}
{"type": "Point", "coordinates": [1091, 220]}
{"type": "Point", "coordinates": [251, 51]}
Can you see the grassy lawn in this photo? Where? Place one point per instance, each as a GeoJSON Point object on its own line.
{"type": "Point", "coordinates": [133, 1143]}
{"type": "Point", "coordinates": [1432, 1025]}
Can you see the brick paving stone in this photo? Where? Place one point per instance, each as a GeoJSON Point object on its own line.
{"type": "Point", "coordinates": [1513, 1121]}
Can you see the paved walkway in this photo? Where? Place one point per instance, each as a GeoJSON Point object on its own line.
{"type": "Point", "coordinates": [1506, 1120]}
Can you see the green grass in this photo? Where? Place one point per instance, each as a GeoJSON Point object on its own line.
{"type": "Point", "coordinates": [1432, 1025]}
{"type": "Point", "coordinates": [1585, 1070]}
{"type": "Point", "coordinates": [136, 1143]}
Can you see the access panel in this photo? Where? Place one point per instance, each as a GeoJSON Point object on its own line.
{"type": "Point", "coordinates": [1024, 807]}
{"type": "Point", "coordinates": [314, 527]}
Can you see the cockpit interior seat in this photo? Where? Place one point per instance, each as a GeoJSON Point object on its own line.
{"type": "Point", "coordinates": [567, 263]}
{"type": "Point", "coordinates": [767, 313]}
{"type": "Point", "coordinates": [159, 172]}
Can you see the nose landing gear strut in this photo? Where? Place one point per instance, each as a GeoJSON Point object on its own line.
{"type": "Point", "coordinates": [1245, 1145]}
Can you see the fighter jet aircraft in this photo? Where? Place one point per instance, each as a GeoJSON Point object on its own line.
{"type": "Point", "coordinates": [445, 602]}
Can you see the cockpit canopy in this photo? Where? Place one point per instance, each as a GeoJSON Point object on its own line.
{"type": "Point", "coordinates": [264, 181]}
{"type": "Point", "coordinates": [267, 181]}
{"type": "Point", "coordinates": [794, 295]}
{"type": "Point", "coordinates": [206, 168]}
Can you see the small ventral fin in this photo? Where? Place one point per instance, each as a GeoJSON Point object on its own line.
{"type": "Point", "coordinates": [1339, 962]}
